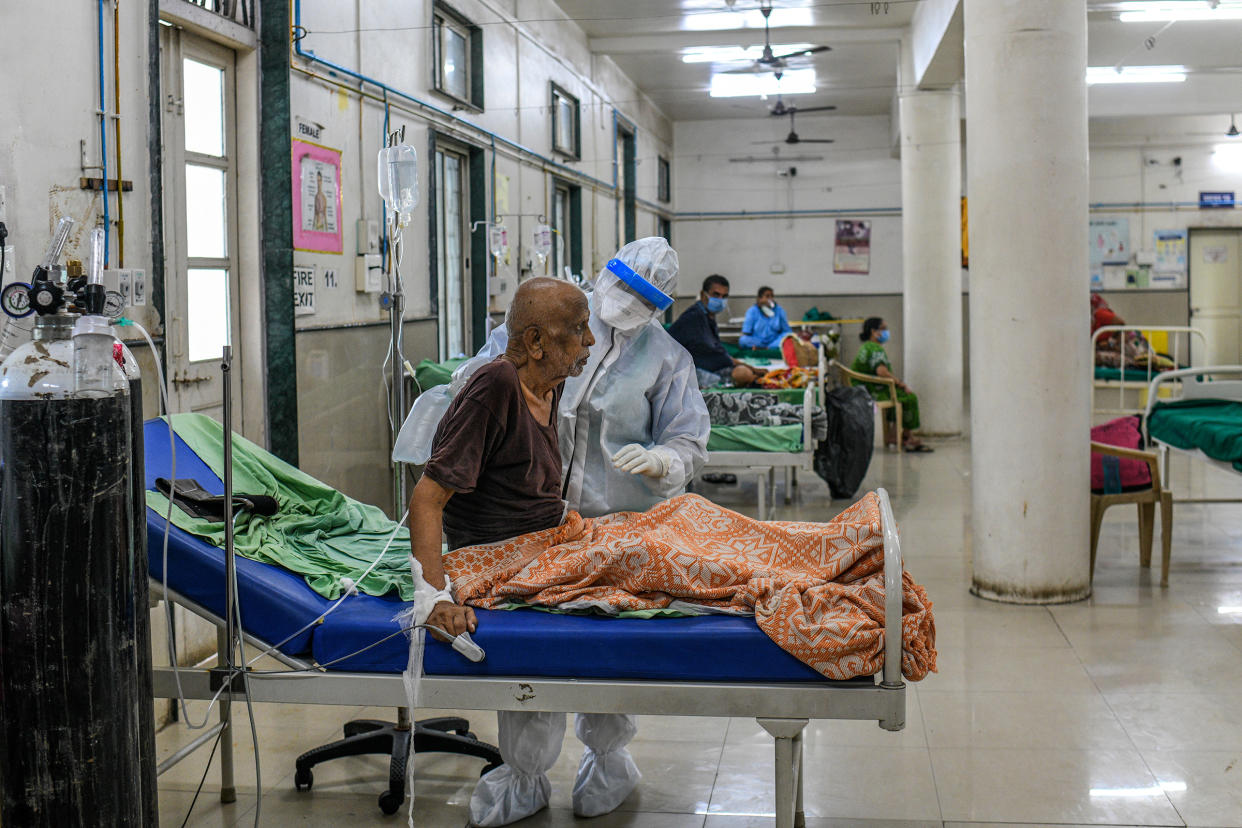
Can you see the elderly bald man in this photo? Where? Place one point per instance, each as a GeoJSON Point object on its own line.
{"type": "Point", "coordinates": [495, 466]}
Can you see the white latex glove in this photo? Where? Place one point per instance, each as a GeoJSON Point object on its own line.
{"type": "Point", "coordinates": [638, 460]}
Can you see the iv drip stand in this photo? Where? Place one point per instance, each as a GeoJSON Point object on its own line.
{"type": "Point", "coordinates": [396, 315]}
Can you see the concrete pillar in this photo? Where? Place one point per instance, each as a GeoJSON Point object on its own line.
{"type": "Point", "coordinates": [1026, 144]}
{"type": "Point", "coordinates": [931, 188]}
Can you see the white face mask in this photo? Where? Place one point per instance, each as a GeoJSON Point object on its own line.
{"type": "Point", "coordinates": [766, 310]}
{"type": "Point", "coordinates": [623, 311]}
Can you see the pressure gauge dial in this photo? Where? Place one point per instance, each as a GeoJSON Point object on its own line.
{"type": "Point", "coordinates": [114, 304]}
{"type": "Point", "coordinates": [15, 299]}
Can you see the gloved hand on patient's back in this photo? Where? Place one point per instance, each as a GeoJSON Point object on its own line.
{"type": "Point", "coordinates": [638, 460]}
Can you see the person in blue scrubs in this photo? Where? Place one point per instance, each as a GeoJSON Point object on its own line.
{"type": "Point", "coordinates": [765, 324]}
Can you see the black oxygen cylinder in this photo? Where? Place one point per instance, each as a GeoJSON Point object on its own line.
{"type": "Point", "coordinates": [70, 690]}
{"type": "Point", "coordinates": [141, 593]}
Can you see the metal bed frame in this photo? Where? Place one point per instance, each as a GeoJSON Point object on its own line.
{"type": "Point", "coordinates": [1225, 390]}
{"type": "Point", "coordinates": [1123, 385]}
{"type": "Point", "coordinates": [783, 709]}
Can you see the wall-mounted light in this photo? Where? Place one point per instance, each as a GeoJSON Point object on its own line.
{"type": "Point", "coordinates": [1227, 157]}
{"type": "Point", "coordinates": [1159, 11]}
{"type": "Point", "coordinates": [1174, 73]}
{"type": "Point", "coordinates": [736, 85]}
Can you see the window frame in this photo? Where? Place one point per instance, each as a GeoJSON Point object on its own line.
{"type": "Point", "coordinates": [557, 92]}
{"type": "Point", "coordinates": [443, 15]}
{"type": "Point", "coordinates": [664, 179]}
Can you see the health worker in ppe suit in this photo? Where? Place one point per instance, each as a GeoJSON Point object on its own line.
{"type": "Point", "coordinates": [633, 432]}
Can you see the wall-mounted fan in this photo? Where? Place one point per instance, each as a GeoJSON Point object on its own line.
{"type": "Point", "coordinates": [768, 61]}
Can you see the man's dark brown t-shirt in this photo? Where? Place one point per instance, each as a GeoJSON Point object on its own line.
{"type": "Point", "coordinates": [503, 466]}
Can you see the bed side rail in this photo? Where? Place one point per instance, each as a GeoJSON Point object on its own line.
{"type": "Point", "coordinates": [892, 593]}
{"type": "Point", "coordinates": [1222, 390]}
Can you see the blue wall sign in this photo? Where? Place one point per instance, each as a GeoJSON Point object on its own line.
{"type": "Point", "coordinates": [1216, 199]}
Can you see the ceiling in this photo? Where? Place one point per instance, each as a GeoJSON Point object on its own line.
{"type": "Point", "coordinates": [647, 39]}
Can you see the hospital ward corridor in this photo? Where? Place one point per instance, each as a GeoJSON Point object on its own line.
{"type": "Point", "coordinates": [621, 413]}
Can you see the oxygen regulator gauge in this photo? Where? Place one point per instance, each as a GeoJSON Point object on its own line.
{"type": "Point", "coordinates": [114, 304]}
{"type": "Point", "coordinates": [15, 300]}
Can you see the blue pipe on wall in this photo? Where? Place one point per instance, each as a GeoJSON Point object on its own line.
{"type": "Point", "coordinates": [103, 128]}
{"type": "Point", "coordinates": [358, 76]}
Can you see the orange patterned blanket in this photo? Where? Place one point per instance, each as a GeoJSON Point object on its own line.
{"type": "Point", "coordinates": [817, 589]}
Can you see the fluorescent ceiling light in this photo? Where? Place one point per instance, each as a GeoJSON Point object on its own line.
{"type": "Point", "coordinates": [794, 82]}
{"type": "Point", "coordinates": [750, 19]}
{"type": "Point", "coordinates": [1154, 790]}
{"type": "Point", "coordinates": [726, 54]}
{"type": "Point", "coordinates": [1228, 158]}
{"type": "Point", "coordinates": [1175, 73]}
{"type": "Point", "coordinates": [1165, 10]}
{"type": "Point", "coordinates": [1229, 610]}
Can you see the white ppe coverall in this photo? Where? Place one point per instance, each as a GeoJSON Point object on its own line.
{"type": "Point", "coordinates": [637, 400]}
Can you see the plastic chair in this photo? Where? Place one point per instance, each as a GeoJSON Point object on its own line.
{"type": "Point", "coordinates": [849, 377]}
{"type": "Point", "coordinates": [1146, 498]}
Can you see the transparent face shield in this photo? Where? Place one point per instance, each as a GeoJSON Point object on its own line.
{"type": "Point", "coordinates": [631, 301]}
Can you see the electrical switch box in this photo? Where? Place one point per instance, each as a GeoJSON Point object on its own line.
{"type": "Point", "coordinates": [368, 236]}
{"type": "Point", "coordinates": [368, 274]}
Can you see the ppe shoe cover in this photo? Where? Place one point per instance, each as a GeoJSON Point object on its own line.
{"type": "Point", "coordinates": [607, 773]}
{"type": "Point", "coordinates": [529, 744]}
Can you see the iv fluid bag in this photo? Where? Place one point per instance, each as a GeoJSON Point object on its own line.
{"type": "Point", "coordinates": [543, 241]}
{"type": "Point", "coordinates": [498, 240]}
{"type": "Point", "coordinates": [398, 180]}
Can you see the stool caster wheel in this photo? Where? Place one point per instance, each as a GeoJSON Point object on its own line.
{"type": "Point", "coordinates": [390, 802]}
{"type": "Point", "coordinates": [303, 779]}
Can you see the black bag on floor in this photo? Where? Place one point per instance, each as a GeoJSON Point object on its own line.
{"type": "Point", "coordinates": [843, 458]}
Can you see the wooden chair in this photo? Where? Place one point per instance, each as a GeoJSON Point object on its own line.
{"type": "Point", "coordinates": [1146, 499]}
{"type": "Point", "coordinates": [849, 377]}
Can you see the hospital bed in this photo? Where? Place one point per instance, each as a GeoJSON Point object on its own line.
{"type": "Point", "coordinates": [762, 449]}
{"type": "Point", "coordinates": [1134, 379]}
{"type": "Point", "coordinates": [1197, 412]}
{"type": "Point", "coordinates": [535, 661]}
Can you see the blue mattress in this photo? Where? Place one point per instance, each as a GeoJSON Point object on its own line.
{"type": "Point", "coordinates": [275, 602]}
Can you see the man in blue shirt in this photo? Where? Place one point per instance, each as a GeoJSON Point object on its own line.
{"type": "Point", "coordinates": [766, 324]}
{"type": "Point", "coordinates": [696, 330]}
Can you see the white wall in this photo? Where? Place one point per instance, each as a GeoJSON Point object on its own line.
{"type": "Point", "coordinates": [48, 105]}
{"type": "Point", "coordinates": [857, 173]}
{"type": "Point", "coordinates": [520, 61]}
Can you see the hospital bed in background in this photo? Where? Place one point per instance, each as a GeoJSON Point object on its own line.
{"type": "Point", "coordinates": [1131, 379]}
{"type": "Point", "coordinates": [535, 661]}
{"type": "Point", "coordinates": [762, 449]}
{"type": "Point", "coordinates": [1197, 412]}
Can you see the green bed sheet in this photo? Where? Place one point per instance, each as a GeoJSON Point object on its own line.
{"type": "Point", "coordinates": [1132, 374]}
{"type": "Point", "coordinates": [430, 374]}
{"type": "Point", "coordinates": [748, 354]}
{"type": "Point", "coordinates": [1212, 426]}
{"type": "Point", "coordinates": [755, 438]}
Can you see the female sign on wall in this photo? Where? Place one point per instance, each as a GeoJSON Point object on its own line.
{"type": "Point", "coordinates": [316, 198]}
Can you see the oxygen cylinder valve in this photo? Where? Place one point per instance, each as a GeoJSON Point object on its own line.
{"type": "Point", "coordinates": [46, 297]}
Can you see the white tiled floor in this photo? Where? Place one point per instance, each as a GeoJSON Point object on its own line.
{"type": "Point", "coordinates": [1125, 709]}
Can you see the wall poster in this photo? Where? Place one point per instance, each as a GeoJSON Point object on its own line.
{"type": "Point", "coordinates": [853, 247]}
{"type": "Point", "coordinates": [1169, 270]}
{"type": "Point", "coordinates": [316, 198]}
{"type": "Point", "coordinates": [1110, 241]}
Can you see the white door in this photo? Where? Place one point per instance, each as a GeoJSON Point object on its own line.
{"type": "Point", "coordinates": [200, 219]}
{"type": "Point", "coordinates": [1216, 295]}
{"type": "Point", "coordinates": [452, 240]}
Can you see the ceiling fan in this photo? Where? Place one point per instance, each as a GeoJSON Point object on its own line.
{"type": "Point", "coordinates": [793, 137]}
{"type": "Point", "coordinates": [769, 61]}
{"type": "Point", "coordinates": [1232, 132]}
{"type": "Point", "coordinates": [781, 108]}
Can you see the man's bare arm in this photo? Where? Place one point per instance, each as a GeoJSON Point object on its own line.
{"type": "Point", "coordinates": [426, 526]}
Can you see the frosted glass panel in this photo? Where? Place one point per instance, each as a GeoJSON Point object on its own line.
{"type": "Point", "coordinates": [204, 212]}
{"type": "Point", "coordinates": [453, 255]}
{"type": "Point", "coordinates": [203, 104]}
{"type": "Point", "coordinates": [208, 304]}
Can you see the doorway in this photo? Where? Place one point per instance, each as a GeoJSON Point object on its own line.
{"type": "Point", "coordinates": [627, 186]}
{"type": "Point", "coordinates": [452, 250]}
{"type": "Point", "coordinates": [198, 89]}
{"type": "Point", "coordinates": [1216, 294]}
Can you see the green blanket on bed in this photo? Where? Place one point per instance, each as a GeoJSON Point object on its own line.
{"type": "Point", "coordinates": [318, 533]}
{"type": "Point", "coordinates": [1212, 426]}
{"type": "Point", "coordinates": [755, 438]}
